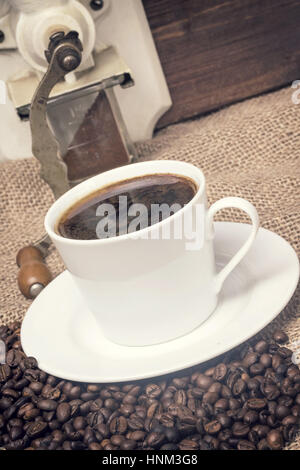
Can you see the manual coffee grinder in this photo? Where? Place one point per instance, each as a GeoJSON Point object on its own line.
{"type": "Point", "coordinates": [85, 104]}
{"type": "Point", "coordinates": [64, 56]}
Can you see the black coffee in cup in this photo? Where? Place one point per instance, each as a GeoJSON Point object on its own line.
{"type": "Point", "coordinates": [126, 206]}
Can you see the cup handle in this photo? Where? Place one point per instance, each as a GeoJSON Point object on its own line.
{"type": "Point", "coordinates": [238, 203]}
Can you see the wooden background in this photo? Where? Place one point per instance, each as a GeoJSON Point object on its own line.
{"type": "Point", "coordinates": [217, 52]}
{"type": "Point", "coordinates": [213, 53]}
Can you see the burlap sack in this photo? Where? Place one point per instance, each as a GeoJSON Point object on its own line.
{"type": "Point", "coordinates": [249, 150]}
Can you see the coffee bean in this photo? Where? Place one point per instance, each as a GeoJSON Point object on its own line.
{"type": "Point", "coordinates": [245, 445]}
{"type": "Point", "coordinates": [157, 427]}
{"type": "Point", "coordinates": [276, 361]}
{"type": "Point", "coordinates": [280, 337]}
{"type": "Point", "coordinates": [282, 411]}
{"type": "Point", "coordinates": [36, 387]}
{"type": "Point", "coordinates": [256, 403]}
{"type": "Point", "coordinates": [213, 427]}
{"type": "Point", "coordinates": [129, 399]}
{"type": "Point", "coordinates": [204, 382]}
{"type": "Point", "coordinates": [180, 398]}
{"type": "Point", "coordinates": [79, 423]}
{"type": "Point", "coordinates": [220, 372]}
{"type": "Point", "coordinates": [74, 392]}
{"type": "Point", "coordinates": [30, 363]}
{"type": "Point", "coordinates": [77, 445]}
{"type": "Point", "coordinates": [94, 446]}
{"type": "Point", "coordinates": [216, 387]}
{"type": "Point", "coordinates": [186, 416]}
{"type": "Point", "coordinates": [263, 445]}
{"type": "Point", "coordinates": [224, 420]}
{"type": "Point", "coordinates": [167, 420]}
{"type": "Point", "coordinates": [296, 410]}
{"type": "Point", "coordinates": [109, 403]}
{"type": "Point", "coordinates": [96, 405]}
{"type": "Point", "coordinates": [9, 392]}
{"type": "Point", "coordinates": [14, 357]}
{"type": "Point", "coordinates": [169, 447]}
{"type": "Point", "coordinates": [256, 369]}
{"type": "Point", "coordinates": [290, 431]}
{"type": "Point", "coordinates": [5, 403]}
{"type": "Point", "coordinates": [212, 442]}
{"type": "Point", "coordinates": [19, 444]}
{"type": "Point", "coordinates": [270, 391]}
{"type": "Point", "coordinates": [20, 384]}
{"type": "Point", "coordinates": [234, 404]}
{"type": "Point", "coordinates": [221, 405]}
{"type": "Point", "coordinates": [253, 384]}
{"type": "Point", "coordinates": [274, 439]}
{"type": "Point", "coordinates": [250, 359]}
{"type": "Point", "coordinates": [261, 347]}
{"type": "Point", "coordinates": [240, 429]}
{"type": "Point", "coordinates": [16, 432]}
{"type": "Point", "coordinates": [188, 444]}
{"type": "Point", "coordinates": [117, 440]}
{"type": "Point", "coordinates": [137, 435]}
{"type": "Point", "coordinates": [232, 378]}
{"type": "Point", "coordinates": [284, 352]}
{"type": "Point", "coordinates": [273, 348]}
{"type": "Point", "coordinates": [266, 360]}
{"type": "Point", "coordinates": [250, 417]}
{"type": "Point", "coordinates": [180, 382]}
{"type": "Point", "coordinates": [128, 444]}
{"type": "Point", "coordinates": [58, 436]}
{"type": "Point", "coordinates": [86, 396]}
{"type": "Point", "coordinates": [135, 423]}
{"type": "Point", "coordinates": [210, 397]}
{"type": "Point", "coordinates": [172, 434]}
{"type": "Point", "coordinates": [272, 421]}
{"type": "Point", "coordinates": [290, 419]}
{"type": "Point", "coordinates": [225, 435]}
{"type": "Point", "coordinates": [297, 399]}
{"type": "Point", "coordinates": [3, 331]}
{"type": "Point", "coordinates": [118, 425]}
{"type": "Point", "coordinates": [151, 411]}
{"type": "Point", "coordinates": [31, 414]}
{"type": "Point", "coordinates": [47, 405]}
{"type": "Point", "coordinates": [36, 429]}
{"type": "Point", "coordinates": [82, 408]}
{"type": "Point", "coordinates": [153, 391]}
{"type": "Point", "coordinates": [155, 439]}
{"type": "Point", "coordinates": [239, 387]}
{"type": "Point", "coordinates": [225, 392]}
{"type": "Point", "coordinates": [63, 412]}
{"type": "Point", "coordinates": [5, 372]}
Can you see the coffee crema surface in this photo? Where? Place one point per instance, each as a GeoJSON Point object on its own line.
{"type": "Point", "coordinates": [126, 206]}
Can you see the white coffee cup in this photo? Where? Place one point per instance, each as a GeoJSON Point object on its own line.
{"type": "Point", "coordinates": [141, 288]}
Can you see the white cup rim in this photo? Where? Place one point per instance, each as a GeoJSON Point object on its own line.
{"type": "Point", "coordinates": [81, 190]}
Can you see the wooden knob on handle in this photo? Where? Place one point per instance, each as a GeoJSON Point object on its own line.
{"type": "Point", "coordinates": [34, 275]}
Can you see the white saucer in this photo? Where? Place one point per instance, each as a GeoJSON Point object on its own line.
{"type": "Point", "coordinates": [62, 334]}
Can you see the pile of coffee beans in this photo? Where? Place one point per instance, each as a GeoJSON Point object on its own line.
{"type": "Point", "coordinates": [250, 401]}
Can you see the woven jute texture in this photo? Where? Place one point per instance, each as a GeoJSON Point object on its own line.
{"type": "Point", "coordinates": [249, 150]}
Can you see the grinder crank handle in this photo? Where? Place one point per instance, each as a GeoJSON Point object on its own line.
{"type": "Point", "coordinates": [64, 56]}
{"type": "Point", "coordinates": [34, 274]}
